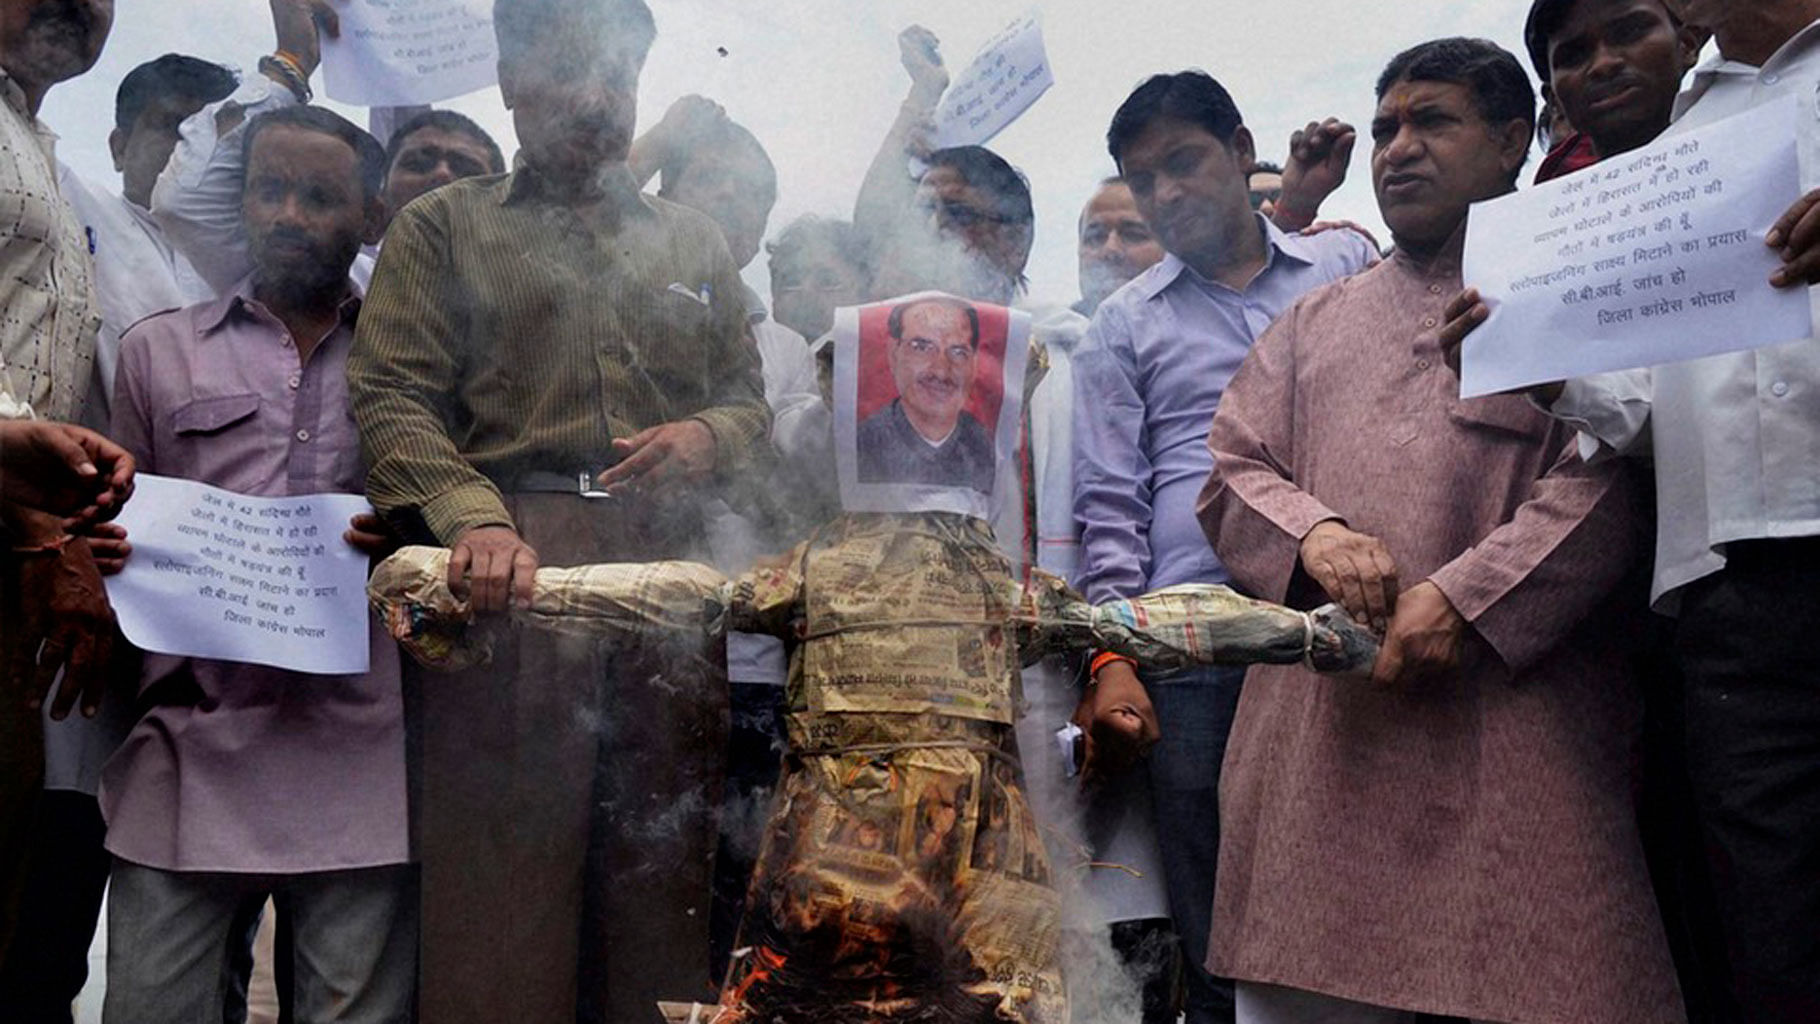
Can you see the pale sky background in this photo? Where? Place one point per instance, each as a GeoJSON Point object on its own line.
{"type": "Point", "coordinates": [818, 81]}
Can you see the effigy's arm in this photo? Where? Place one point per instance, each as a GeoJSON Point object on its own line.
{"type": "Point", "coordinates": [1193, 624]}
{"type": "Point", "coordinates": [630, 602]}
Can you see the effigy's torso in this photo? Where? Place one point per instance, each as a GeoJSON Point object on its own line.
{"type": "Point", "coordinates": [902, 876]}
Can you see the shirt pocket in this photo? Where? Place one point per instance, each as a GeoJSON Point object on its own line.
{"type": "Point", "coordinates": [1501, 416]}
{"type": "Point", "coordinates": [673, 346]}
{"type": "Point", "coordinates": [206, 416]}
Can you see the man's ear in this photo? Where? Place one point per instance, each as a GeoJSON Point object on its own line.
{"type": "Point", "coordinates": [508, 82]}
{"type": "Point", "coordinates": [373, 223]}
{"type": "Point", "coordinates": [1690, 40]}
{"type": "Point", "coordinates": [1513, 144]}
{"type": "Point", "coordinates": [1244, 148]}
{"type": "Point", "coordinates": [116, 144]}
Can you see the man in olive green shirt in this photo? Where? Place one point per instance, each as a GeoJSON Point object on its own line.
{"type": "Point", "coordinates": [528, 338]}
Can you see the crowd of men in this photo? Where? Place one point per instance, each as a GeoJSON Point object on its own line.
{"type": "Point", "coordinates": [1582, 784]}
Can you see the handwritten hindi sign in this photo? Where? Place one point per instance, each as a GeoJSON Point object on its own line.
{"type": "Point", "coordinates": [1652, 257]}
{"type": "Point", "coordinates": [1009, 74]}
{"type": "Point", "coordinates": [216, 574]}
{"type": "Point", "coordinates": [400, 53]}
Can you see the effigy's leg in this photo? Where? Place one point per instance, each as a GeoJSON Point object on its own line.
{"type": "Point", "coordinates": [908, 884]}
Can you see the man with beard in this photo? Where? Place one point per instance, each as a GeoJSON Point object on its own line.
{"type": "Point", "coordinates": [1146, 383]}
{"type": "Point", "coordinates": [47, 343]}
{"type": "Point", "coordinates": [926, 435]}
{"type": "Point", "coordinates": [1456, 836]}
{"type": "Point", "coordinates": [531, 343]}
{"type": "Point", "coordinates": [243, 782]}
{"type": "Point", "coordinates": [197, 197]}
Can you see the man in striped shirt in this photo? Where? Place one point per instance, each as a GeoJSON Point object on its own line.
{"type": "Point", "coordinates": [551, 367]}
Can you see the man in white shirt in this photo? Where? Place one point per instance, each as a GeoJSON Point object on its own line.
{"type": "Point", "coordinates": [1735, 441]}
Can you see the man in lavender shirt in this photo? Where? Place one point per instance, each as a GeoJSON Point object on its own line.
{"type": "Point", "coordinates": [241, 781]}
{"type": "Point", "coordinates": [1147, 381]}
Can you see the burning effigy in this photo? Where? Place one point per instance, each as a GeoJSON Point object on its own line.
{"type": "Point", "coordinates": [902, 876]}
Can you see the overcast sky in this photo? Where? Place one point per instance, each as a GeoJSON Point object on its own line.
{"type": "Point", "coordinates": [818, 81]}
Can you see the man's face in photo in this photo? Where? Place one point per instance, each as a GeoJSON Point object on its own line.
{"type": "Point", "coordinates": [933, 365]}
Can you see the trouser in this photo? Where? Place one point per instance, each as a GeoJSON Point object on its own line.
{"type": "Point", "coordinates": [43, 972]}
{"type": "Point", "coordinates": [755, 746]}
{"type": "Point", "coordinates": [168, 933]}
{"type": "Point", "coordinates": [1194, 709]}
{"type": "Point", "coordinates": [1746, 644]}
{"type": "Point", "coordinates": [21, 784]}
{"type": "Point", "coordinates": [1274, 1004]}
{"type": "Point", "coordinates": [569, 792]}
{"type": "Point", "coordinates": [1150, 955]}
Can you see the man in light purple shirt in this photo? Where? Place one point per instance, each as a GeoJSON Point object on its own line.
{"type": "Point", "coordinates": [1147, 381]}
{"type": "Point", "coordinates": [241, 781]}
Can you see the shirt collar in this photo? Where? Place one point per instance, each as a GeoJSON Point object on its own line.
{"type": "Point", "coordinates": [1277, 243]}
{"type": "Point", "coordinates": [1719, 66]}
{"type": "Point", "coordinates": [621, 191]}
{"type": "Point", "coordinates": [214, 314]}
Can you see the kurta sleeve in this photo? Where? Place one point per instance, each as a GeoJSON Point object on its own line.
{"type": "Point", "coordinates": [1252, 511]}
{"type": "Point", "coordinates": [403, 375]}
{"type": "Point", "coordinates": [1112, 470]}
{"type": "Point", "coordinates": [1531, 581]}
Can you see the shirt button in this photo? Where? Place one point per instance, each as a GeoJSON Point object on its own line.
{"type": "Point", "coordinates": [1430, 322]}
{"type": "Point", "coordinates": [1421, 364]}
{"type": "Point", "coordinates": [303, 435]}
{"type": "Point", "coordinates": [1771, 79]}
{"type": "Point", "coordinates": [1434, 289]}
{"type": "Point", "coordinates": [1778, 389]}
{"type": "Point", "coordinates": [295, 383]}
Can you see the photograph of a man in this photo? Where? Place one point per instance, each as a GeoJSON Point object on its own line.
{"type": "Point", "coordinates": [926, 435]}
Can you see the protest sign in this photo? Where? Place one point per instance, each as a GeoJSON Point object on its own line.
{"type": "Point", "coordinates": [1009, 74]}
{"type": "Point", "coordinates": [927, 396]}
{"type": "Point", "coordinates": [1652, 257]}
{"type": "Point", "coordinates": [215, 574]}
{"type": "Point", "coordinates": [401, 53]}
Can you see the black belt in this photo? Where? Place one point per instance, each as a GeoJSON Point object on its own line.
{"type": "Point", "coordinates": [580, 483]}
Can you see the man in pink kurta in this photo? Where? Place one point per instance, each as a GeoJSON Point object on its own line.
{"type": "Point", "coordinates": [1455, 836]}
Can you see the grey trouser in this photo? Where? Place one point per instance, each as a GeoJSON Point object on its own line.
{"type": "Point", "coordinates": [168, 934]}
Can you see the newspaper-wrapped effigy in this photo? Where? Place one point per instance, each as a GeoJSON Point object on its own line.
{"type": "Point", "coordinates": [902, 876]}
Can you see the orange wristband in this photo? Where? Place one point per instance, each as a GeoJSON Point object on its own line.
{"type": "Point", "coordinates": [1105, 658]}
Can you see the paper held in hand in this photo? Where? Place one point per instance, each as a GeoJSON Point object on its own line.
{"type": "Point", "coordinates": [1009, 74]}
{"type": "Point", "coordinates": [1652, 257]}
{"type": "Point", "coordinates": [402, 53]}
{"type": "Point", "coordinates": [216, 574]}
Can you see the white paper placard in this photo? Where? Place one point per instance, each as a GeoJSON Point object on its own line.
{"type": "Point", "coordinates": [403, 53]}
{"type": "Point", "coordinates": [214, 574]}
{"type": "Point", "coordinates": [1652, 257]}
{"type": "Point", "coordinates": [1009, 74]}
